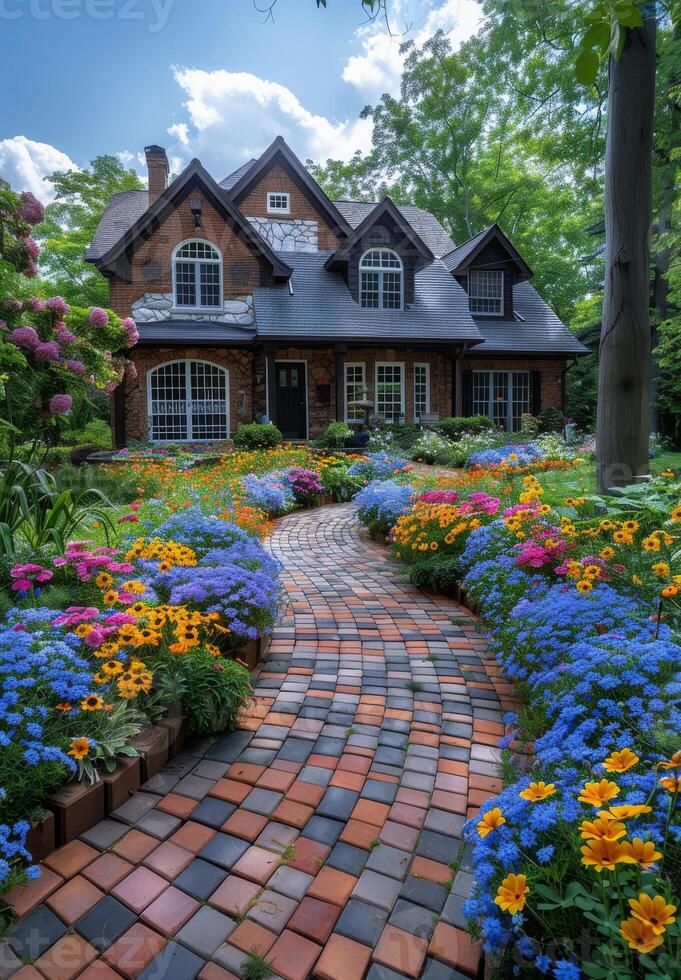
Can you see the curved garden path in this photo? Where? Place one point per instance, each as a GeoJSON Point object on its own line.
{"type": "Point", "coordinates": [326, 833]}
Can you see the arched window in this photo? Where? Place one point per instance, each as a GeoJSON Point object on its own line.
{"type": "Point", "coordinates": [197, 275]}
{"type": "Point", "coordinates": [188, 401]}
{"type": "Point", "coordinates": [381, 280]}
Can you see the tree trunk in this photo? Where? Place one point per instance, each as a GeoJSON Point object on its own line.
{"type": "Point", "coordinates": [623, 425]}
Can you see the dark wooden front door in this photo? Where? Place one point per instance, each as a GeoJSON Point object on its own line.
{"type": "Point", "coordinates": [291, 399]}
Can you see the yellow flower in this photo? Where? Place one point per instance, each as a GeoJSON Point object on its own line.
{"type": "Point", "coordinates": [671, 783]}
{"type": "Point", "coordinates": [537, 791]}
{"type": "Point", "coordinates": [650, 544]}
{"type": "Point", "coordinates": [596, 794]}
{"type": "Point", "coordinates": [669, 591]}
{"type": "Point", "coordinates": [636, 580]}
{"type": "Point", "coordinates": [110, 598]}
{"type": "Point", "coordinates": [673, 763]}
{"type": "Point", "coordinates": [642, 852]}
{"type": "Point", "coordinates": [490, 821]}
{"type": "Point", "coordinates": [660, 569]}
{"type": "Point", "coordinates": [653, 912]}
{"type": "Point", "coordinates": [676, 514]}
{"type": "Point", "coordinates": [82, 630]}
{"type": "Point", "coordinates": [602, 829]}
{"type": "Point", "coordinates": [92, 702]}
{"type": "Point", "coordinates": [621, 761]}
{"type": "Point", "coordinates": [584, 586]}
{"type": "Point", "coordinates": [511, 893]}
{"type": "Point", "coordinates": [79, 748]}
{"type": "Point", "coordinates": [103, 580]}
{"type": "Point", "coordinates": [64, 706]}
{"type": "Point", "coordinates": [639, 936]}
{"type": "Point", "coordinates": [625, 812]}
{"type": "Point", "coordinates": [607, 553]}
{"type": "Point", "coordinates": [602, 853]}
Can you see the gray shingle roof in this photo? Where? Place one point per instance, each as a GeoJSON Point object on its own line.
{"type": "Point", "coordinates": [231, 179]}
{"type": "Point", "coordinates": [540, 331]}
{"type": "Point", "coordinates": [457, 255]}
{"type": "Point", "coordinates": [121, 213]}
{"type": "Point", "coordinates": [321, 306]}
{"type": "Point", "coordinates": [194, 331]}
{"type": "Point", "coordinates": [423, 222]}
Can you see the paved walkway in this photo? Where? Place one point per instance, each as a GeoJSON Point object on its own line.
{"type": "Point", "coordinates": [326, 834]}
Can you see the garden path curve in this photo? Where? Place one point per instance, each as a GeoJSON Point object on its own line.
{"type": "Point", "coordinates": [326, 833]}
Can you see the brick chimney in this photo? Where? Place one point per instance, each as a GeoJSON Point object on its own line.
{"type": "Point", "coordinates": [157, 168]}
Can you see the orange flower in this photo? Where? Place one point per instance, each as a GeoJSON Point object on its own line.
{"type": "Point", "coordinates": [64, 706]}
{"type": "Point", "coordinates": [537, 791]}
{"type": "Point", "coordinates": [602, 829]}
{"type": "Point", "coordinates": [602, 853]}
{"type": "Point", "coordinates": [511, 893]}
{"type": "Point", "coordinates": [596, 794]}
{"type": "Point", "coordinates": [639, 936]}
{"type": "Point", "coordinates": [490, 821]}
{"type": "Point", "coordinates": [625, 812]}
{"type": "Point", "coordinates": [671, 783]}
{"type": "Point", "coordinates": [621, 761]}
{"type": "Point", "coordinates": [653, 912]}
{"type": "Point", "coordinates": [673, 763]}
{"type": "Point", "coordinates": [79, 748]}
{"type": "Point", "coordinates": [642, 852]}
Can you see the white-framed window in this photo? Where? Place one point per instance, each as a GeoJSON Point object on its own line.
{"type": "Point", "coordinates": [421, 390]}
{"type": "Point", "coordinates": [390, 391]}
{"type": "Point", "coordinates": [381, 280]}
{"type": "Point", "coordinates": [188, 400]}
{"type": "Point", "coordinates": [504, 396]}
{"type": "Point", "coordinates": [354, 391]}
{"type": "Point", "coordinates": [197, 275]}
{"type": "Point", "coordinates": [278, 202]}
{"type": "Point", "coordinates": [486, 292]}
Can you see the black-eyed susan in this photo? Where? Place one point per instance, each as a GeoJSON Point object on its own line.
{"type": "Point", "coordinates": [602, 828]}
{"type": "Point", "coordinates": [654, 912]}
{"type": "Point", "coordinates": [639, 936]}
{"type": "Point", "coordinates": [603, 855]}
{"type": "Point", "coordinates": [79, 748]}
{"type": "Point", "coordinates": [93, 702]}
{"type": "Point", "coordinates": [643, 853]}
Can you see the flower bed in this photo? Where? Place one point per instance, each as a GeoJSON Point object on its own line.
{"type": "Point", "coordinates": [577, 861]}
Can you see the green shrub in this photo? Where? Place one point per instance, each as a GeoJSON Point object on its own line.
{"type": "Point", "coordinates": [436, 571]}
{"type": "Point", "coordinates": [454, 428]}
{"type": "Point", "coordinates": [550, 420]}
{"type": "Point", "coordinates": [118, 483]}
{"type": "Point", "coordinates": [338, 484]}
{"type": "Point", "coordinates": [255, 435]}
{"type": "Point", "coordinates": [212, 689]}
{"type": "Point", "coordinates": [529, 427]}
{"type": "Point", "coordinates": [95, 433]}
{"type": "Point", "coordinates": [338, 435]}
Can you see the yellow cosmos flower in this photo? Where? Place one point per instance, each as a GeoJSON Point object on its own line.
{"type": "Point", "coordinates": [639, 936]}
{"type": "Point", "coordinates": [642, 852]}
{"type": "Point", "coordinates": [490, 821]}
{"type": "Point", "coordinates": [512, 893]}
{"type": "Point", "coordinates": [626, 811]}
{"type": "Point", "coordinates": [653, 912]}
{"type": "Point", "coordinates": [602, 829]}
{"type": "Point", "coordinates": [603, 854]}
{"type": "Point", "coordinates": [79, 748]}
{"type": "Point", "coordinates": [537, 791]}
{"type": "Point", "coordinates": [596, 794]}
{"type": "Point", "coordinates": [621, 761]}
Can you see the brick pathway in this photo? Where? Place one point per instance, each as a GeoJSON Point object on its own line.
{"type": "Point", "coordinates": [326, 834]}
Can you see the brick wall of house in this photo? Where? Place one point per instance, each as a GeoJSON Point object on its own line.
{"type": "Point", "coordinates": [152, 262]}
{"type": "Point", "coordinates": [254, 205]}
{"type": "Point", "coordinates": [551, 373]}
{"type": "Point", "coordinates": [239, 364]}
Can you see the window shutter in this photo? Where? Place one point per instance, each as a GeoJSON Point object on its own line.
{"type": "Point", "coordinates": [536, 392]}
{"type": "Point", "coordinates": [467, 393]}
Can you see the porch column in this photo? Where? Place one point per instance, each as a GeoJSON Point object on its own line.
{"type": "Point", "coordinates": [340, 352]}
{"type": "Point", "coordinates": [271, 381]}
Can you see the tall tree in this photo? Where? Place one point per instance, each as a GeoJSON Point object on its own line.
{"type": "Point", "coordinates": [70, 224]}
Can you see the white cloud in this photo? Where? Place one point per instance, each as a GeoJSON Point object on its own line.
{"type": "Point", "coordinates": [25, 163]}
{"type": "Point", "coordinates": [378, 66]}
{"type": "Point", "coordinates": [235, 115]}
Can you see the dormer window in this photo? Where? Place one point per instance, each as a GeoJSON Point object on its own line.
{"type": "Point", "coordinates": [197, 275]}
{"type": "Point", "coordinates": [278, 202]}
{"type": "Point", "coordinates": [381, 280]}
{"type": "Point", "coordinates": [486, 292]}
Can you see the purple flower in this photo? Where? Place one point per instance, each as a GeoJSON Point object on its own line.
{"type": "Point", "coordinates": [98, 317]}
{"type": "Point", "coordinates": [25, 337]}
{"type": "Point", "coordinates": [47, 351]}
{"type": "Point", "coordinates": [31, 211]}
{"type": "Point", "coordinates": [35, 304]}
{"type": "Point", "coordinates": [13, 305]}
{"type": "Point", "coordinates": [60, 404]}
{"type": "Point", "coordinates": [63, 334]}
{"type": "Point", "coordinates": [58, 306]}
{"type": "Point", "coordinates": [76, 366]}
{"type": "Point", "coordinates": [32, 248]}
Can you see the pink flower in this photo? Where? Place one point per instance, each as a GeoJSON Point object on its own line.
{"type": "Point", "coordinates": [98, 317]}
{"type": "Point", "coordinates": [95, 638]}
{"type": "Point", "coordinates": [25, 337]}
{"type": "Point", "coordinates": [21, 585]}
{"type": "Point", "coordinates": [31, 270]}
{"type": "Point", "coordinates": [58, 306]}
{"type": "Point", "coordinates": [60, 404]}
{"type": "Point", "coordinates": [128, 519]}
{"type": "Point", "coordinates": [31, 211]}
{"type": "Point", "coordinates": [59, 562]}
{"type": "Point", "coordinates": [135, 506]}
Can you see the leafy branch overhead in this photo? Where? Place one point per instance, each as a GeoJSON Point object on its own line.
{"type": "Point", "coordinates": [605, 35]}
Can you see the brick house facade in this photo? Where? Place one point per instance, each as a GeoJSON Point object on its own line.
{"type": "Point", "coordinates": [260, 297]}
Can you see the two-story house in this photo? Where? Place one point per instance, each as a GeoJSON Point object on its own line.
{"type": "Point", "coordinates": [259, 296]}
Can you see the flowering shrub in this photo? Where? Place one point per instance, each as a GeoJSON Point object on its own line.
{"type": "Point", "coordinates": [512, 455]}
{"type": "Point", "coordinates": [431, 447]}
{"type": "Point", "coordinates": [272, 493]}
{"type": "Point", "coordinates": [305, 484]}
{"type": "Point", "coordinates": [379, 466]}
{"type": "Point", "coordinates": [380, 503]}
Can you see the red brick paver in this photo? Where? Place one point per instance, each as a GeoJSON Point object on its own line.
{"type": "Point", "coordinates": [370, 738]}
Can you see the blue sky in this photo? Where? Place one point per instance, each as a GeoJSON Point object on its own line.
{"type": "Point", "coordinates": [215, 79]}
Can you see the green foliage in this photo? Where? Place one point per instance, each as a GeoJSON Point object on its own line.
{"type": "Point", "coordinates": [550, 420]}
{"type": "Point", "coordinates": [118, 483]}
{"type": "Point", "coordinates": [95, 433]}
{"type": "Point", "coordinates": [437, 571]}
{"type": "Point", "coordinates": [212, 690]}
{"type": "Point", "coordinates": [256, 967]}
{"type": "Point", "coordinates": [338, 484]}
{"type": "Point", "coordinates": [337, 435]}
{"type": "Point", "coordinates": [453, 428]}
{"type": "Point", "coordinates": [70, 224]}
{"type": "Point", "coordinates": [255, 435]}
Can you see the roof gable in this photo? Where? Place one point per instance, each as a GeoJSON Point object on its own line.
{"type": "Point", "coordinates": [280, 153]}
{"type": "Point", "coordinates": [460, 259]}
{"type": "Point", "coordinates": [386, 209]}
{"type": "Point", "coordinates": [193, 177]}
